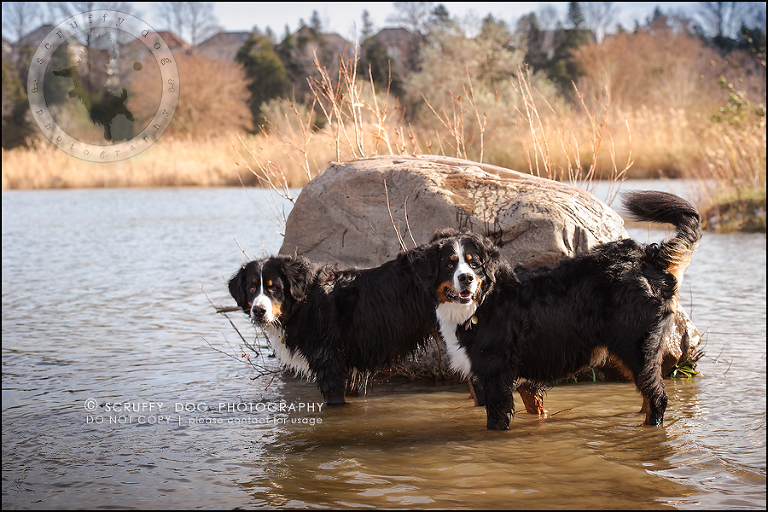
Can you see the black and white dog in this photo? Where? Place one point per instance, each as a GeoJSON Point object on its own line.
{"type": "Point", "coordinates": [546, 323]}
{"type": "Point", "coordinates": [330, 323]}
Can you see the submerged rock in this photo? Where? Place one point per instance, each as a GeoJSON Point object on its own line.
{"type": "Point", "coordinates": [362, 213]}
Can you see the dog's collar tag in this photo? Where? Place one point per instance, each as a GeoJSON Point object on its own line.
{"type": "Point", "coordinates": [282, 340]}
{"type": "Point", "coordinates": [469, 323]}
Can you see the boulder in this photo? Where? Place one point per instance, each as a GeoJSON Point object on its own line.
{"type": "Point", "coordinates": [363, 213]}
{"type": "Point", "coordinates": [351, 213]}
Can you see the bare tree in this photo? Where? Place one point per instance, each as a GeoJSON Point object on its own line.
{"type": "Point", "coordinates": [201, 21]}
{"type": "Point", "coordinates": [754, 15]}
{"type": "Point", "coordinates": [174, 14]}
{"type": "Point", "coordinates": [547, 17]}
{"type": "Point", "coordinates": [59, 11]}
{"type": "Point", "coordinates": [192, 20]}
{"type": "Point", "coordinates": [19, 18]}
{"type": "Point", "coordinates": [415, 16]}
{"type": "Point", "coordinates": [599, 16]}
{"type": "Point", "coordinates": [722, 19]}
{"type": "Point", "coordinates": [67, 9]}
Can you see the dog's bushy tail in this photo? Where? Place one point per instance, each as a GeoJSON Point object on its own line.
{"type": "Point", "coordinates": [661, 207]}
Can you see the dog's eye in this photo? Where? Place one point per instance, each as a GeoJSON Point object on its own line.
{"type": "Point", "coordinates": [473, 264]}
{"type": "Point", "coordinates": [252, 289]}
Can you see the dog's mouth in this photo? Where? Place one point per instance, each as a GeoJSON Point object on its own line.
{"type": "Point", "coordinates": [259, 321]}
{"type": "Point", "coordinates": [263, 323]}
{"type": "Point", "coordinates": [464, 297]}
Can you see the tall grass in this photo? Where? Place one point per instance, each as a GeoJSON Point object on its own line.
{"type": "Point", "coordinates": [169, 162]}
{"type": "Point", "coordinates": [351, 119]}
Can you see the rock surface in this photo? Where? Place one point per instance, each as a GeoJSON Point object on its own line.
{"type": "Point", "coordinates": [352, 213]}
{"type": "Point", "coordinates": [343, 216]}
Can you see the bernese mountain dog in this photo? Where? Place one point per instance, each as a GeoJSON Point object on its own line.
{"type": "Point", "coordinates": [544, 324]}
{"type": "Point", "coordinates": [335, 324]}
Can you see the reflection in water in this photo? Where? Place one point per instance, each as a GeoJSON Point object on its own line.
{"type": "Point", "coordinates": [101, 300]}
{"type": "Point", "coordinates": [406, 445]}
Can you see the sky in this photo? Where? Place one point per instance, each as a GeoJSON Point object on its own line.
{"type": "Point", "coordinates": [345, 18]}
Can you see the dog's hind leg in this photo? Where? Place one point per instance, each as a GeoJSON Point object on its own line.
{"type": "Point", "coordinates": [646, 371]}
{"type": "Point", "coordinates": [651, 385]}
{"type": "Point", "coordinates": [533, 399]}
{"type": "Point", "coordinates": [646, 408]}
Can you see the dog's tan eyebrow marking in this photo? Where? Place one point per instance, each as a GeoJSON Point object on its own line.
{"type": "Point", "coordinates": [269, 283]}
{"type": "Point", "coordinates": [454, 257]}
{"type": "Point", "coordinates": [469, 257]}
{"type": "Point", "coordinates": [254, 279]}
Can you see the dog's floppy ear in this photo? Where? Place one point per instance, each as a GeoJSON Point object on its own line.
{"type": "Point", "coordinates": [425, 261]}
{"type": "Point", "coordinates": [237, 286]}
{"type": "Point", "coordinates": [491, 256]}
{"type": "Point", "coordinates": [299, 273]}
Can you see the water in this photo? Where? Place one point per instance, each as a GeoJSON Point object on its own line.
{"type": "Point", "coordinates": [104, 319]}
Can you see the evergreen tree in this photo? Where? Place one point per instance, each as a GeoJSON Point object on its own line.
{"type": "Point", "coordinates": [382, 67]}
{"type": "Point", "coordinates": [529, 30]}
{"type": "Point", "coordinates": [16, 128]}
{"type": "Point", "coordinates": [575, 16]}
{"type": "Point", "coordinates": [562, 69]}
{"type": "Point", "coordinates": [266, 74]}
{"type": "Point", "coordinates": [374, 57]}
{"type": "Point", "coordinates": [316, 24]}
{"type": "Point", "coordinates": [367, 25]}
{"type": "Point", "coordinates": [439, 17]}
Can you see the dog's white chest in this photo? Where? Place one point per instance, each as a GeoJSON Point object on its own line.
{"type": "Point", "coordinates": [295, 360]}
{"type": "Point", "coordinates": [450, 316]}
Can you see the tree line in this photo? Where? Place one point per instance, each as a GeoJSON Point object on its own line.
{"type": "Point", "coordinates": [438, 52]}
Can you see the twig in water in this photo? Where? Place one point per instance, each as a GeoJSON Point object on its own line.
{"type": "Point", "coordinates": [729, 367]}
{"type": "Point", "coordinates": [260, 369]}
{"type": "Point", "coordinates": [716, 359]}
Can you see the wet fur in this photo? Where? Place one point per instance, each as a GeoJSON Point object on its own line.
{"type": "Point", "coordinates": [347, 321]}
{"type": "Point", "coordinates": [545, 324]}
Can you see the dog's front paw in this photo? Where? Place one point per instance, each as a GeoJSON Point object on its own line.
{"type": "Point", "coordinates": [334, 397]}
{"type": "Point", "coordinates": [498, 423]}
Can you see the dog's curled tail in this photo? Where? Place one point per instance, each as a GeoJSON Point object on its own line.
{"type": "Point", "coordinates": [662, 207]}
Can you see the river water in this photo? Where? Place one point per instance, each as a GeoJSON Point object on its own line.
{"type": "Point", "coordinates": [113, 394]}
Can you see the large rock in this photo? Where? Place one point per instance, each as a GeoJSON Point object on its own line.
{"type": "Point", "coordinates": [343, 216]}
{"type": "Point", "coordinates": [352, 212]}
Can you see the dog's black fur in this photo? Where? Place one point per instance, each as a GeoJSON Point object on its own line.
{"type": "Point", "coordinates": [546, 323]}
{"type": "Point", "coordinates": [342, 320]}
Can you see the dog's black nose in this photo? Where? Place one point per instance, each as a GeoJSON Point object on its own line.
{"type": "Point", "coordinates": [258, 311]}
{"type": "Point", "coordinates": [466, 278]}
